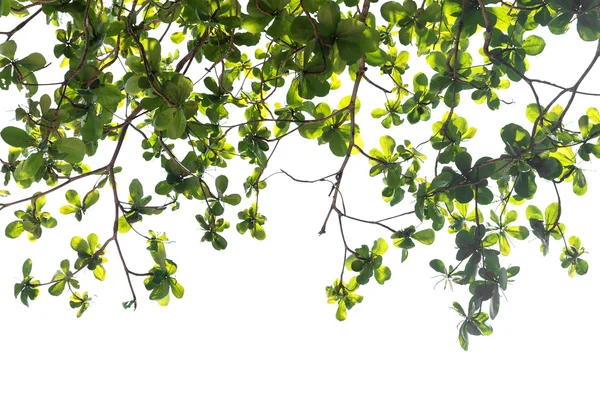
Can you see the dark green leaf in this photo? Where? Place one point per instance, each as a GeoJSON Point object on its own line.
{"type": "Point", "coordinates": [302, 30]}
{"type": "Point", "coordinates": [441, 181]}
{"type": "Point", "coordinates": [160, 291]}
{"type": "Point", "coordinates": [221, 183]}
{"type": "Point", "coordinates": [136, 191]}
{"type": "Point", "coordinates": [438, 265]}
{"type": "Point", "coordinates": [27, 265]}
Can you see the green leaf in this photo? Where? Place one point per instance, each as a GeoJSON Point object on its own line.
{"type": "Point", "coordinates": [256, 21]}
{"type": "Point", "coordinates": [27, 265]}
{"type": "Point", "coordinates": [575, 241]}
{"type": "Point", "coordinates": [503, 279]}
{"type": "Point", "coordinates": [370, 41]}
{"type": "Point", "coordinates": [458, 308]}
{"type": "Point", "coordinates": [301, 29]}
{"type": "Point", "coordinates": [510, 217]}
{"type": "Point", "coordinates": [100, 272]}
{"type": "Point", "coordinates": [515, 137]}
{"type": "Point", "coordinates": [388, 145]}
{"type": "Point", "coordinates": [551, 214]}
{"type": "Point", "coordinates": [463, 337]}
{"type": "Point", "coordinates": [532, 212]}
{"type": "Point", "coordinates": [73, 198]}
{"type": "Point", "coordinates": [82, 309]}
{"type": "Point", "coordinates": [403, 242]}
{"type": "Point", "coordinates": [17, 289]}
{"type": "Point", "coordinates": [67, 209]}
{"type": "Point", "coordinates": [426, 236]}
{"type": "Point", "coordinates": [311, 6]}
{"type": "Point", "coordinates": [329, 18]}
{"type": "Point", "coordinates": [382, 274]}
{"type": "Point", "coordinates": [258, 232]}
{"type": "Point", "coordinates": [17, 137]}
{"type": "Point", "coordinates": [8, 48]}
{"type": "Point", "coordinates": [185, 86]}
{"type": "Point", "coordinates": [441, 181]}
{"type": "Point", "coordinates": [92, 128]}
{"type": "Point", "coordinates": [57, 288]}
{"type": "Point", "coordinates": [494, 305]}
{"type": "Point", "coordinates": [525, 185]}
{"type": "Point", "coordinates": [177, 124]}
{"type": "Point", "coordinates": [40, 201]}
{"type": "Point", "coordinates": [463, 162]}
{"type": "Point", "coordinates": [159, 254]}
{"type": "Point", "coordinates": [484, 195]}
{"type": "Point", "coordinates": [232, 199]}
{"type": "Point", "coordinates": [357, 265]}
{"type": "Point", "coordinates": [338, 145]}
{"type": "Point", "coordinates": [14, 229]}
{"type": "Point", "coordinates": [380, 247]}
{"type": "Point", "coordinates": [160, 291]}
{"type": "Point", "coordinates": [128, 304]}
{"type": "Point", "coordinates": [581, 267]}
{"type": "Point", "coordinates": [91, 198]}
{"type": "Point", "coordinates": [532, 112]}
{"type": "Point", "coordinates": [512, 271]}
{"type": "Point", "coordinates": [533, 45]}
{"type": "Point", "coordinates": [438, 266]}
{"type": "Point", "coordinates": [549, 168]}
{"type": "Point", "coordinates": [393, 12]}
{"type": "Point", "coordinates": [219, 242]}
{"type": "Point", "coordinates": [136, 191]}
{"type": "Point", "coordinates": [579, 183]}
{"type": "Point", "coordinates": [80, 245]}
{"type": "Point", "coordinates": [177, 37]}
{"type": "Point", "coordinates": [108, 95]}
{"type": "Point", "coordinates": [437, 61]}
{"type": "Point", "coordinates": [162, 119]}
{"type": "Point", "coordinates": [72, 149]}
{"type": "Point", "coordinates": [588, 26]}
{"type": "Point", "coordinates": [378, 113]}
{"type": "Point", "coordinates": [48, 222]}
{"type": "Point", "coordinates": [221, 184]}
{"type": "Point", "coordinates": [176, 288]}
{"type": "Point", "coordinates": [32, 62]}
{"type": "Point", "coordinates": [132, 86]}
{"type": "Point", "coordinates": [480, 320]}
{"type": "Point", "coordinates": [350, 35]}
{"type": "Point", "coordinates": [153, 52]}
{"type": "Point", "coordinates": [593, 114]}
{"type": "Point", "coordinates": [28, 168]}
{"type": "Point", "coordinates": [518, 232]}
{"type": "Point", "coordinates": [340, 314]}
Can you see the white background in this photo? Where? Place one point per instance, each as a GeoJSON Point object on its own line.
{"type": "Point", "coordinates": [254, 322]}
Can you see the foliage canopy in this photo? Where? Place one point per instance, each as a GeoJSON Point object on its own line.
{"type": "Point", "coordinates": [276, 61]}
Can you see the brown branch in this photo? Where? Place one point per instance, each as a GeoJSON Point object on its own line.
{"type": "Point", "coordinates": [352, 109]}
{"type": "Point", "coordinates": [17, 28]}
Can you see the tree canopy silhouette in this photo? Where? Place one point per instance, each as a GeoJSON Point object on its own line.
{"type": "Point", "coordinates": [276, 62]}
